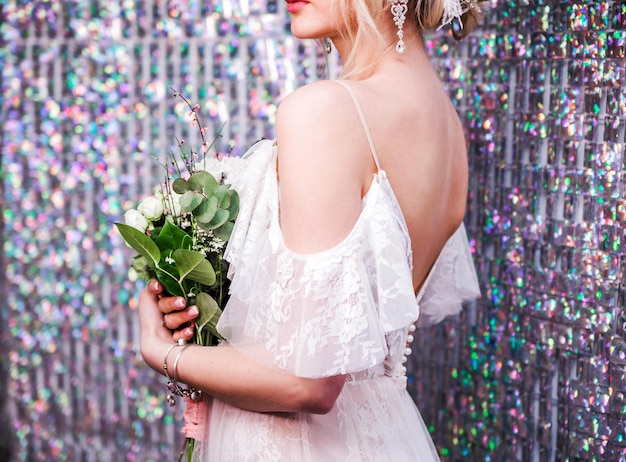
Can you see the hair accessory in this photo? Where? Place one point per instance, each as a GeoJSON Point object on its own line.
{"type": "Point", "coordinates": [399, 9]}
{"type": "Point", "coordinates": [454, 9]}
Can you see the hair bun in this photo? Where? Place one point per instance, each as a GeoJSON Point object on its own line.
{"type": "Point", "coordinates": [435, 14]}
{"type": "Point", "coordinates": [472, 12]}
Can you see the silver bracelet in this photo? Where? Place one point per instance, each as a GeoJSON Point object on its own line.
{"type": "Point", "coordinates": [175, 374]}
{"type": "Point", "coordinates": [167, 375]}
{"type": "Point", "coordinates": [181, 342]}
{"type": "Point", "coordinates": [172, 383]}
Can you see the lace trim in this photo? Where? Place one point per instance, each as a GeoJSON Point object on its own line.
{"type": "Point", "coordinates": [334, 311]}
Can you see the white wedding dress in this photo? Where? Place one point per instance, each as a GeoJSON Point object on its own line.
{"type": "Point", "coordinates": [347, 310]}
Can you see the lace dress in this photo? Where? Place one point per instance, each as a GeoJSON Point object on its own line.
{"type": "Point", "coordinates": [347, 310]}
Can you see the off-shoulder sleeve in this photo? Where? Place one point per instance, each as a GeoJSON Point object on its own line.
{"type": "Point", "coordinates": [312, 315]}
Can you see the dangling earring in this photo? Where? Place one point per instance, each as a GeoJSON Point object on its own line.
{"type": "Point", "coordinates": [399, 9]}
{"type": "Point", "coordinates": [328, 46]}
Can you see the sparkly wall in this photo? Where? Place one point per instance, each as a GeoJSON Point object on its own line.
{"type": "Point", "coordinates": [535, 371]}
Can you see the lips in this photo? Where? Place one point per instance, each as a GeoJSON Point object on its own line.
{"type": "Point", "coordinates": [293, 6]}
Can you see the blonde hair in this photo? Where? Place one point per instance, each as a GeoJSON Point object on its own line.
{"type": "Point", "coordinates": [362, 16]}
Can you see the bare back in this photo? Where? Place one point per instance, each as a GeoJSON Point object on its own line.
{"type": "Point", "coordinates": [419, 142]}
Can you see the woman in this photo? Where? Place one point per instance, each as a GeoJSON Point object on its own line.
{"type": "Point", "coordinates": [354, 209]}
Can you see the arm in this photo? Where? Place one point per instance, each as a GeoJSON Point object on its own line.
{"type": "Point", "coordinates": [230, 376]}
{"type": "Point", "coordinates": [321, 174]}
{"type": "Point", "coordinates": [324, 166]}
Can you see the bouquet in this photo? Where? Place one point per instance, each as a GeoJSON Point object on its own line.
{"type": "Point", "coordinates": [180, 234]}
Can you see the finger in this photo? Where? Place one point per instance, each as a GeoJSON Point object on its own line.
{"type": "Point", "coordinates": [171, 304]}
{"type": "Point", "coordinates": [186, 333]}
{"type": "Point", "coordinates": [155, 287]}
{"type": "Point", "coordinates": [176, 319]}
{"type": "Point", "coordinates": [149, 315]}
{"type": "Point", "coordinates": [154, 337]}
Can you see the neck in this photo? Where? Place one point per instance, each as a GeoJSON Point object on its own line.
{"type": "Point", "coordinates": [367, 60]}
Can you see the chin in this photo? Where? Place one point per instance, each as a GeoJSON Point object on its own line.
{"type": "Point", "coordinates": [303, 32]}
{"type": "Point", "coordinates": [305, 36]}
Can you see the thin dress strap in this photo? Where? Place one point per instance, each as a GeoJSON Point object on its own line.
{"type": "Point", "coordinates": [363, 120]}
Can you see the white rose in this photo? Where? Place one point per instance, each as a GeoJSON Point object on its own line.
{"type": "Point", "coordinates": [136, 219]}
{"type": "Point", "coordinates": [151, 208]}
{"type": "Point", "coordinates": [173, 202]}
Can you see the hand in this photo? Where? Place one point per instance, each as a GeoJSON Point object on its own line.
{"type": "Point", "coordinates": [155, 338]}
{"type": "Point", "coordinates": [177, 316]}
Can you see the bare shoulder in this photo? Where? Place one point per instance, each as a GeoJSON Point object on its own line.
{"type": "Point", "coordinates": [320, 104]}
{"type": "Point", "coordinates": [316, 93]}
{"type": "Point", "coordinates": [319, 121]}
{"type": "Point", "coordinates": [321, 166]}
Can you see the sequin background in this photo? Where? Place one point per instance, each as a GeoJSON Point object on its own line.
{"type": "Point", "coordinates": [535, 371]}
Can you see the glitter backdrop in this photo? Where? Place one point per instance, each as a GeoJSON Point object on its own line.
{"type": "Point", "coordinates": [535, 371]}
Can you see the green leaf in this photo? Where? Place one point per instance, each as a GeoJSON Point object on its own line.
{"type": "Point", "coordinates": [233, 208]}
{"type": "Point", "coordinates": [172, 237]}
{"type": "Point", "coordinates": [192, 265]}
{"type": "Point", "coordinates": [190, 200]}
{"type": "Point", "coordinates": [142, 267]}
{"type": "Point", "coordinates": [154, 233]}
{"type": "Point", "coordinates": [180, 186]}
{"type": "Point", "coordinates": [139, 242]}
{"type": "Point", "coordinates": [205, 212]}
{"type": "Point", "coordinates": [223, 198]}
{"type": "Point", "coordinates": [210, 312]}
{"type": "Point", "coordinates": [203, 182]}
{"type": "Point", "coordinates": [224, 231]}
{"type": "Point", "coordinates": [167, 277]}
{"type": "Point", "coordinates": [221, 217]}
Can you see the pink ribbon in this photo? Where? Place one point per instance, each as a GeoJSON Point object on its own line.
{"type": "Point", "coordinates": [195, 418]}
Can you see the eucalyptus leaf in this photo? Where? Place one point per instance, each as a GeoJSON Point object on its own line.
{"type": "Point", "coordinates": [190, 200]}
{"type": "Point", "coordinates": [139, 242]}
{"type": "Point", "coordinates": [223, 197]}
{"type": "Point", "coordinates": [221, 217]}
{"type": "Point", "coordinates": [205, 212]}
{"type": "Point", "coordinates": [180, 186]}
{"type": "Point", "coordinates": [192, 265]}
{"type": "Point", "coordinates": [224, 231]}
{"type": "Point", "coordinates": [203, 182]}
{"type": "Point", "coordinates": [233, 208]}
